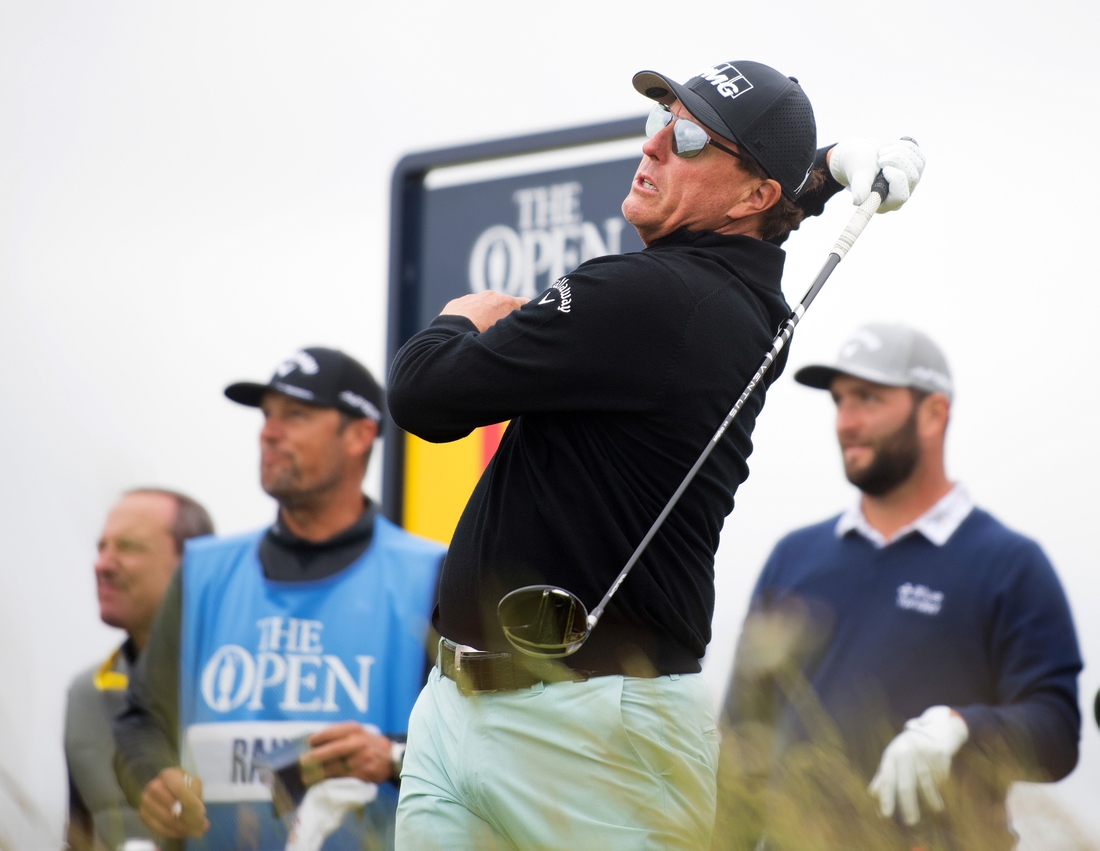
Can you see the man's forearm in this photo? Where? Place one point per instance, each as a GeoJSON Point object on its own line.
{"type": "Point", "coordinates": [1033, 740]}
{"type": "Point", "coordinates": [142, 751]}
{"type": "Point", "coordinates": [145, 728]}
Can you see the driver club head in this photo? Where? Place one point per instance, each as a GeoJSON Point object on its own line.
{"type": "Point", "coordinates": [544, 621]}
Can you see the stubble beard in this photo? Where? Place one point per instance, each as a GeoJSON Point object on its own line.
{"type": "Point", "coordinates": [288, 488]}
{"type": "Point", "coordinates": [893, 463]}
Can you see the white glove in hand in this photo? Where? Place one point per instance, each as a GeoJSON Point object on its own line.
{"type": "Point", "coordinates": [324, 807]}
{"type": "Point", "coordinates": [919, 756]}
{"type": "Point", "coordinates": [855, 162]}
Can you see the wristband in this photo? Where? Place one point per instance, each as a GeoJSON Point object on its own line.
{"type": "Point", "coordinates": [397, 759]}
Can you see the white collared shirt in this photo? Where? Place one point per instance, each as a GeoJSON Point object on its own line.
{"type": "Point", "coordinates": [937, 524]}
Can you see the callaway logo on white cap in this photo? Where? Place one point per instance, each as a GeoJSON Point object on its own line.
{"type": "Point", "coordinates": [728, 81]}
{"type": "Point", "coordinates": [299, 360]}
{"type": "Point", "coordinates": [861, 338]}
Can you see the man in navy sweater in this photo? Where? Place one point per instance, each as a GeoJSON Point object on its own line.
{"type": "Point", "coordinates": [918, 621]}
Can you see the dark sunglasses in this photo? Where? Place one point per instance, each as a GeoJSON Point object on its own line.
{"type": "Point", "coordinates": [688, 138]}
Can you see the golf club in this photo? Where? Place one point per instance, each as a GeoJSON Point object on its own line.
{"type": "Point", "coordinates": [549, 622]}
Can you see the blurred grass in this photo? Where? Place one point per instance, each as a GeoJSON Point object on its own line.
{"type": "Point", "coordinates": [809, 796]}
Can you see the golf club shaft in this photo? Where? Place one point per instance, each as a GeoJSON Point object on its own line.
{"type": "Point", "coordinates": [851, 232]}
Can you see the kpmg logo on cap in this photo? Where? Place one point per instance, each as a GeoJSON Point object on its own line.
{"type": "Point", "coordinates": [729, 82]}
{"type": "Point", "coordinates": [299, 360]}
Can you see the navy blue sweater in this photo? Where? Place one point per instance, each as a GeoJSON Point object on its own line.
{"type": "Point", "coordinates": [980, 624]}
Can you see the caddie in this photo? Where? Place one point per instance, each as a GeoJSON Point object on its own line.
{"type": "Point", "coordinates": [609, 404]}
{"type": "Point", "coordinates": [312, 630]}
{"type": "Point", "coordinates": [139, 550]}
{"type": "Point", "coordinates": [938, 643]}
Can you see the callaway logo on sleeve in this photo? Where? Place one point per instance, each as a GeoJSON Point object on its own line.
{"type": "Point", "coordinates": [559, 292]}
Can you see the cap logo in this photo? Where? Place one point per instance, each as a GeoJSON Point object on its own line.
{"type": "Point", "coordinates": [360, 404]}
{"type": "Point", "coordinates": [805, 178]}
{"type": "Point", "coordinates": [860, 339]}
{"type": "Point", "coordinates": [931, 376]}
{"type": "Point", "coordinates": [299, 360]}
{"type": "Point", "coordinates": [729, 82]}
{"type": "Point", "coordinates": [291, 390]}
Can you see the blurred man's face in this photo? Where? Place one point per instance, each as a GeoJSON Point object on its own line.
{"type": "Point", "coordinates": [670, 192]}
{"type": "Point", "coordinates": [136, 560]}
{"type": "Point", "coordinates": [303, 450]}
{"type": "Point", "coordinates": [877, 429]}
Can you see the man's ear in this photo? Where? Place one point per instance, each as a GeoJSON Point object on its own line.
{"type": "Point", "coordinates": [359, 435]}
{"type": "Point", "coordinates": [934, 413]}
{"type": "Point", "coordinates": [756, 200]}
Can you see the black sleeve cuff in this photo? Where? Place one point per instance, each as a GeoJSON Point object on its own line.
{"type": "Point", "coordinates": [456, 323]}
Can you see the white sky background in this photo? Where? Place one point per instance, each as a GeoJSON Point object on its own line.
{"type": "Point", "coordinates": [187, 194]}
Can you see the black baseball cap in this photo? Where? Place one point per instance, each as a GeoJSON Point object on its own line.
{"type": "Point", "coordinates": [324, 377]}
{"type": "Point", "coordinates": [765, 113]}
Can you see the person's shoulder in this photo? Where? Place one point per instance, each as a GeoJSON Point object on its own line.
{"type": "Point", "coordinates": [84, 682]}
{"type": "Point", "coordinates": [632, 268]}
{"type": "Point", "coordinates": [983, 529]}
{"type": "Point", "coordinates": [208, 545]}
{"type": "Point", "coordinates": [801, 552]}
{"type": "Point", "coordinates": [1008, 555]}
{"type": "Point", "coordinates": [210, 553]}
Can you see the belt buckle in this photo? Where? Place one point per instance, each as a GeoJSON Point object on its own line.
{"type": "Point", "coordinates": [460, 650]}
{"type": "Point", "coordinates": [463, 678]}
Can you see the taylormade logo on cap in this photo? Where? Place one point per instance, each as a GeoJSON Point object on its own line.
{"type": "Point", "coordinates": [361, 404]}
{"type": "Point", "coordinates": [927, 375]}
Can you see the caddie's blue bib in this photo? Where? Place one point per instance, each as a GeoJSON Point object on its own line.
{"type": "Point", "coordinates": [263, 662]}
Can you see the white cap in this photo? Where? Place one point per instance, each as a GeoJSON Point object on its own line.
{"type": "Point", "coordinates": [895, 355]}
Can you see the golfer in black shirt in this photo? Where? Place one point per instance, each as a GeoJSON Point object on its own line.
{"type": "Point", "coordinates": [613, 379]}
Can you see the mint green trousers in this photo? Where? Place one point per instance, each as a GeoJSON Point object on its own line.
{"type": "Point", "coordinates": [611, 763]}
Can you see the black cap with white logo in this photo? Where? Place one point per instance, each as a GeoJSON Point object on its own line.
{"type": "Point", "coordinates": [327, 378]}
{"type": "Point", "coordinates": [766, 114]}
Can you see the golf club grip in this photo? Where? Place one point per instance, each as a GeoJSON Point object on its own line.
{"type": "Point", "coordinates": [879, 190]}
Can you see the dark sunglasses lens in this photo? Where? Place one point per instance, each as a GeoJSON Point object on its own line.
{"type": "Point", "coordinates": [690, 138]}
{"type": "Point", "coordinates": [658, 120]}
{"type": "Point", "coordinates": [541, 620]}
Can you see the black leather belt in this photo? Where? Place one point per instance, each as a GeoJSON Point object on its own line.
{"type": "Point", "coordinates": [479, 671]}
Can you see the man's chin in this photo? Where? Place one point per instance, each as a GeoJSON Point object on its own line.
{"type": "Point", "coordinates": [278, 489]}
{"type": "Point", "coordinates": [853, 472]}
{"type": "Point", "coordinates": [111, 616]}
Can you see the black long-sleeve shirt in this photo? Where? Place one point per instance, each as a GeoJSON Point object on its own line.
{"type": "Point", "coordinates": [614, 380]}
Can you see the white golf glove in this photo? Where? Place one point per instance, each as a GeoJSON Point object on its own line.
{"type": "Point", "coordinates": [918, 757]}
{"type": "Point", "coordinates": [855, 162]}
{"type": "Point", "coordinates": [324, 807]}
